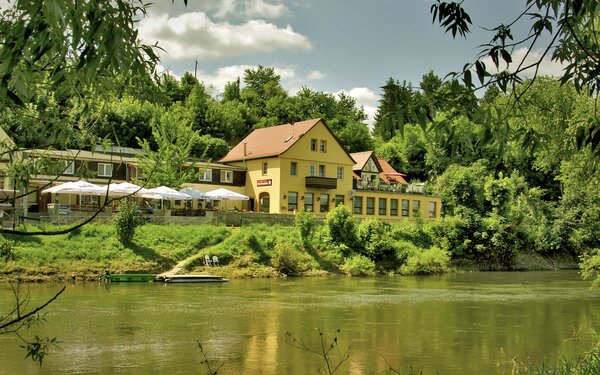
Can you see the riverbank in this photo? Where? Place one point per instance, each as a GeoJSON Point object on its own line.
{"type": "Point", "coordinates": [249, 252]}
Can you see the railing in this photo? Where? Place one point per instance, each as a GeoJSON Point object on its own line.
{"type": "Point", "coordinates": [321, 182]}
{"type": "Point", "coordinates": [397, 188]}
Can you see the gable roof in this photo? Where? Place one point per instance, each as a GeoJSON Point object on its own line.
{"type": "Point", "coordinates": [361, 159]}
{"type": "Point", "coordinates": [269, 142]}
{"type": "Point", "coordinates": [389, 174]}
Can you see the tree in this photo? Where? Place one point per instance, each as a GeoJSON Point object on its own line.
{"type": "Point", "coordinates": [167, 165]}
{"type": "Point", "coordinates": [571, 26]}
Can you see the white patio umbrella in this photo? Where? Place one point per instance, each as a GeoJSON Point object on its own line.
{"type": "Point", "coordinates": [163, 192]}
{"type": "Point", "coordinates": [76, 187]}
{"type": "Point", "coordinates": [127, 188]}
{"type": "Point", "coordinates": [224, 194]}
{"type": "Point", "coordinates": [194, 193]}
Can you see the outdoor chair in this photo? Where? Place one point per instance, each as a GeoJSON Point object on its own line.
{"type": "Point", "coordinates": [215, 260]}
{"type": "Point", "coordinates": [207, 260]}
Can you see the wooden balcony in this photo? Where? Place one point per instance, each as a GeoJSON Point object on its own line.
{"type": "Point", "coordinates": [321, 182]}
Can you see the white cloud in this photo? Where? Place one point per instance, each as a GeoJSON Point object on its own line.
{"type": "Point", "coordinates": [315, 75]}
{"type": "Point", "coordinates": [547, 67]}
{"type": "Point", "coordinates": [221, 76]}
{"type": "Point", "coordinates": [260, 8]}
{"type": "Point", "coordinates": [195, 35]}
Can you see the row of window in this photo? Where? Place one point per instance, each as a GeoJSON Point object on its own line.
{"type": "Point", "coordinates": [312, 171]}
{"type": "Point", "coordinates": [382, 207]}
{"type": "Point", "coordinates": [206, 175]}
{"type": "Point", "coordinates": [313, 202]}
{"type": "Point", "coordinates": [104, 170]}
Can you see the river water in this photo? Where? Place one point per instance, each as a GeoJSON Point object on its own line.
{"type": "Point", "coordinates": [472, 323]}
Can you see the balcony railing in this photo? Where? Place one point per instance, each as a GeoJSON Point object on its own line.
{"type": "Point", "coordinates": [321, 182]}
{"type": "Point", "coordinates": [397, 188]}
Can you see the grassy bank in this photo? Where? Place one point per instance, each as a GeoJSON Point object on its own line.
{"type": "Point", "coordinates": [252, 251]}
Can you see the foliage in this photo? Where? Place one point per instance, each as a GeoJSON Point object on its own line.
{"type": "Point", "coordinates": [288, 258]}
{"type": "Point", "coordinates": [126, 221]}
{"type": "Point", "coordinates": [359, 265]}
{"type": "Point", "coordinates": [329, 351]}
{"type": "Point", "coordinates": [590, 266]}
{"type": "Point", "coordinates": [460, 187]}
{"type": "Point", "coordinates": [426, 262]}
{"type": "Point", "coordinates": [37, 53]}
{"type": "Point", "coordinates": [168, 164]}
{"type": "Point", "coordinates": [6, 250]}
{"type": "Point", "coordinates": [306, 224]}
{"type": "Point", "coordinates": [341, 226]}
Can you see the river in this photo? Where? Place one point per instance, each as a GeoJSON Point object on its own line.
{"type": "Point", "coordinates": [471, 323]}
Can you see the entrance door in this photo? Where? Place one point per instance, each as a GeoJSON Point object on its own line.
{"type": "Point", "coordinates": [265, 202]}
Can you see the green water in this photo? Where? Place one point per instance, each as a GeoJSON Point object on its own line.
{"type": "Point", "coordinates": [454, 324]}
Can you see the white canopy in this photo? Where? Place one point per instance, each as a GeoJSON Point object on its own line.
{"type": "Point", "coordinates": [224, 194]}
{"type": "Point", "coordinates": [194, 193]}
{"type": "Point", "coordinates": [76, 187]}
{"type": "Point", "coordinates": [127, 188]}
{"type": "Point", "coordinates": [164, 192]}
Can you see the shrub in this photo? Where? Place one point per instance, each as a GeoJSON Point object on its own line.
{"type": "Point", "coordinates": [341, 226]}
{"type": "Point", "coordinates": [375, 239]}
{"type": "Point", "coordinates": [305, 222]}
{"type": "Point", "coordinates": [287, 258]}
{"type": "Point", "coordinates": [126, 220]}
{"type": "Point", "coordinates": [426, 262]}
{"type": "Point", "coordinates": [359, 265]}
{"type": "Point", "coordinates": [590, 266]}
{"type": "Point", "coordinates": [6, 250]}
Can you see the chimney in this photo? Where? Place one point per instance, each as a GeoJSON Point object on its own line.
{"type": "Point", "coordinates": [245, 152]}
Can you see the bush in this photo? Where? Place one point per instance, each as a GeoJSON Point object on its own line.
{"type": "Point", "coordinates": [288, 260]}
{"type": "Point", "coordinates": [306, 223]}
{"type": "Point", "coordinates": [590, 266]}
{"type": "Point", "coordinates": [6, 250]}
{"type": "Point", "coordinates": [126, 220]}
{"type": "Point", "coordinates": [341, 226]}
{"type": "Point", "coordinates": [359, 265]}
{"type": "Point", "coordinates": [426, 262]}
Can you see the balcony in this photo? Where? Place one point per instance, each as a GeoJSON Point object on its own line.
{"type": "Point", "coordinates": [321, 182]}
{"type": "Point", "coordinates": [397, 188]}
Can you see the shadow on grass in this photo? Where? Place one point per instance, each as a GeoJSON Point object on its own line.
{"type": "Point", "coordinates": [22, 239]}
{"type": "Point", "coordinates": [151, 255]}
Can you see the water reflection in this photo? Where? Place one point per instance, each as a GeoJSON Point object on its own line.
{"type": "Point", "coordinates": [451, 324]}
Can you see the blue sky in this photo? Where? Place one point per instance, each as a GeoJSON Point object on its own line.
{"type": "Point", "coordinates": [352, 46]}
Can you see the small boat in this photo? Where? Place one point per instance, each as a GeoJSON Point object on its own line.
{"type": "Point", "coordinates": [130, 277]}
{"type": "Point", "coordinates": [191, 279]}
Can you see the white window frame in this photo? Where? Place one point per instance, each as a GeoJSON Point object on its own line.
{"type": "Point", "coordinates": [340, 173]}
{"type": "Point", "coordinates": [312, 170]}
{"type": "Point", "coordinates": [293, 168]}
{"type": "Point", "coordinates": [265, 168]}
{"type": "Point", "coordinates": [70, 168]}
{"type": "Point", "coordinates": [105, 170]}
{"type": "Point", "coordinates": [323, 145]}
{"type": "Point", "coordinates": [322, 170]}
{"type": "Point", "coordinates": [205, 176]}
{"type": "Point", "coordinates": [227, 176]}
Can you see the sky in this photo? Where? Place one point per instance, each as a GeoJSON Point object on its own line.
{"type": "Point", "coordinates": [350, 46]}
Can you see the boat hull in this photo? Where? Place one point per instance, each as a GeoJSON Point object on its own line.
{"type": "Point", "coordinates": [191, 279]}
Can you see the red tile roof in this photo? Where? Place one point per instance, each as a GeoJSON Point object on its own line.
{"type": "Point", "coordinates": [361, 159]}
{"type": "Point", "coordinates": [268, 142]}
{"type": "Point", "coordinates": [389, 174]}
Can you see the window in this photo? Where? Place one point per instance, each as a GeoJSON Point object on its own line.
{"type": "Point", "coordinates": [339, 200]}
{"type": "Point", "coordinates": [265, 168]}
{"type": "Point", "coordinates": [227, 176]}
{"type": "Point", "coordinates": [323, 146]}
{"type": "Point", "coordinates": [205, 175]}
{"type": "Point", "coordinates": [294, 168]}
{"type": "Point", "coordinates": [69, 168]}
{"type": "Point", "coordinates": [105, 170]}
{"type": "Point", "coordinates": [416, 208]}
{"type": "Point", "coordinates": [370, 206]}
{"type": "Point", "coordinates": [382, 206]}
{"type": "Point", "coordinates": [313, 169]}
{"type": "Point", "coordinates": [292, 201]}
{"type": "Point", "coordinates": [404, 207]}
{"type": "Point", "coordinates": [313, 145]}
{"type": "Point", "coordinates": [432, 209]}
{"type": "Point", "coordinates": [394, 207]}
{"type": "Point", "coordinates": [324, 203]}
{"type": "Point", "coordinates": [358, 206]}
{"type": "Point", "coordinates": [308, 202]}
{"type": "Point", "coordinates": [321, 170]}
{"type": "Point", "coordinates": [340, 173]}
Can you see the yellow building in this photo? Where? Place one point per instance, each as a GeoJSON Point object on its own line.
{"type": "Point", "coordinates": [303, 165]}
